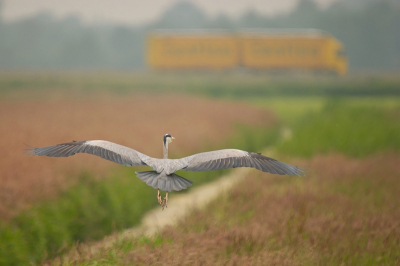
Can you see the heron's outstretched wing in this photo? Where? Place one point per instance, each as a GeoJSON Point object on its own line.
{"type": "Point", "coordinates": [232, 158]}
{"type": "Point", "coordinates": [104, 149]}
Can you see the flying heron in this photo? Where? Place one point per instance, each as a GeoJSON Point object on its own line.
{"type": "Point", "coordinates": [163, 177]}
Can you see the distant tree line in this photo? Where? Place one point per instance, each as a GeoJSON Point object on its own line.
{"type": "Point", "coordinates": [370, 31]}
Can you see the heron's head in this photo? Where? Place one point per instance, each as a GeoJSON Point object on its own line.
{"type": "Point", "coordinates": [167, 139]}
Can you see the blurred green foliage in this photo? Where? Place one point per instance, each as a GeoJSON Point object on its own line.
{"type": "Point", "coordinates": [341, 127]}
{"type": "Point", "coordinates": [235, 85]}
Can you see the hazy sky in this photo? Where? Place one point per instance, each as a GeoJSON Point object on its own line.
{"type": "Point", "coordinates": [136, 11]}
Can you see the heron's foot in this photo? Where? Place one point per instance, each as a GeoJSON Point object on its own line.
{"type": "Point", "coordinates": [165, 201]}
{"type": "Point", "coordinates": [159, 198]}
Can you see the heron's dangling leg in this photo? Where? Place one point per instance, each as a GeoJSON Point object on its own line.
{"type": "Point", "coordinates": [165, 201]}
{"type": "Point", "coordinates": [159, 197]}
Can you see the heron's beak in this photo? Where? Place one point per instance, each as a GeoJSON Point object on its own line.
{"type": "Point", "coordinates": [172, 137]}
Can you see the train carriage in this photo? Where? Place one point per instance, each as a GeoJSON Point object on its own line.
{"type": "Point", "coordinates": [312, 50]}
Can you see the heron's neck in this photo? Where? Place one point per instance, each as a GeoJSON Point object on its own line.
{"type": "Point", "coordinates": [165, 150]}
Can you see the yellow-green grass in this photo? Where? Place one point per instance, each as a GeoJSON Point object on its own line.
{"type": "Point", "coordinates": [356, 126]}
{"type": "Point", "coordinates": [346, 128]}
{"type": "Point", "coordinates": [289, 109]}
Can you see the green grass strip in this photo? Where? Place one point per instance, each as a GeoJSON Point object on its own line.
{"type": "Point", "coordinates": [341, 127]}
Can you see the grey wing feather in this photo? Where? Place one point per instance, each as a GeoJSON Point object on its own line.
{"type": "Point", "coordinates": [104, 149]}
{"type": "Point", "coordinates": [232, 158]}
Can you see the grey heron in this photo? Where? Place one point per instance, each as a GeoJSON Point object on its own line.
{"type": "Point", "coordinates": [163, 177]}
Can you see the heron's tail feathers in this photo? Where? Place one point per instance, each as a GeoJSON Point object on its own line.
{"type": "Point", "coordinates": [163, 181]}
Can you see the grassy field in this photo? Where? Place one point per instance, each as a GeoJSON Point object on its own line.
{"type": "Point", "coordinates": [345, 132]}
{"type": "Point", "coordinates": [47, 204]}
{"type": "Point", "coordinates": [345, 212]}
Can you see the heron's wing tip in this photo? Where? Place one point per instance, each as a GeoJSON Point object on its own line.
{"type": "Point", "coordinates": [299, 171]}
{"type": "Point", "coordinates": [31, 152]}
{"type": "Point", "coordinates": [302, 171]}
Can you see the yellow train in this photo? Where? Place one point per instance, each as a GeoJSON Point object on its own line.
{"type": "Point", "coordinates": [273, 50]}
